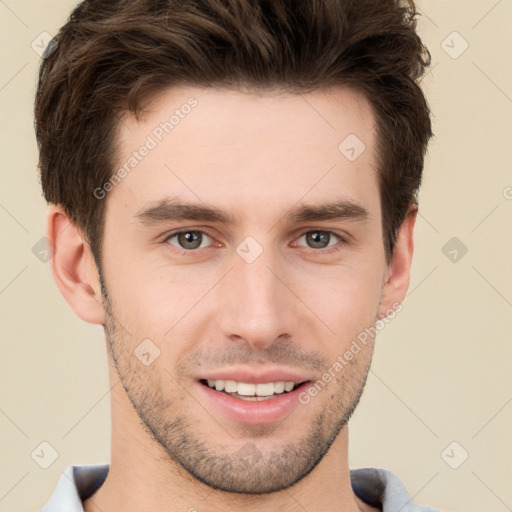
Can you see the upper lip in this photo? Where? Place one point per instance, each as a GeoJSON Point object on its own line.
{"type": "Point", "coordinates": [252, 376]}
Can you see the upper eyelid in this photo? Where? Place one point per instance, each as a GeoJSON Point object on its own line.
{"type": "Point", "coordinates": [168, 236]}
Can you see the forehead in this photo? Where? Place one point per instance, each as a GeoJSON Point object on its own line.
{"type": "Point", "coordinates": [257, 151]}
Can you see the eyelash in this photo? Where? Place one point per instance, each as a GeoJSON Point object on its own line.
{"type": "Point", "coordinates": [331, 250]}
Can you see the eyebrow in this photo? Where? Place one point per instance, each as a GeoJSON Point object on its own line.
{"type": "Point", "coordinates": [168, 209]}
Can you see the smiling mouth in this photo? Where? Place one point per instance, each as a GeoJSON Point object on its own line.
{"type": "Point", "coordinates": [252, 392]}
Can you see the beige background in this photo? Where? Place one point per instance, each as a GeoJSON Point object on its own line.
{"type": "Point", "coordinates": [441, 369]}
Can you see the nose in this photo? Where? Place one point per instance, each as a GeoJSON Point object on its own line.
{"type": "Point", "coordinates": [258, 306]}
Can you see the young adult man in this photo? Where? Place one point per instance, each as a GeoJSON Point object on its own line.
{"type": "Point", "coordinates": [232, 189]}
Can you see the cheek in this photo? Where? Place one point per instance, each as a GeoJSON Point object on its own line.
{"type": "Point", "coordinates": [158, 306]}
{"type": "Point", "coordinates": [136, 300]}
{"type": "Point", "coordinates": [346, 299]}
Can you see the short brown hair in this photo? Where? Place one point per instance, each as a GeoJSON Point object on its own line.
{"type": "Point", "coordinates": [114, 55]}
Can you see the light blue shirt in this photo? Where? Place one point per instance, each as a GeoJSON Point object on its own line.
{"type": "Point", "coordinates": [375, 486]}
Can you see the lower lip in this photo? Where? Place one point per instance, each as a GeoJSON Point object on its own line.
{"type": "Point", "coordinates": [252, 411]}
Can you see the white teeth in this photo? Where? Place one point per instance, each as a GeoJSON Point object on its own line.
{"type": "Point", "coordinates": [266, 389]}
{"type": "Point", "coordinates": [246, 389]}
{"type": "Point", "coordinates": [250, 390]}
{"type": "Point", "coordinates": [288, 386]}
{"type": "Point", "coordinates": [230, 386]}
{"type": "Point", "coordinates": [278, 387]}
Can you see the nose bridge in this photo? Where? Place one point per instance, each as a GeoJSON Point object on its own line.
{"type": "Point", "coordinates": [258, 305]}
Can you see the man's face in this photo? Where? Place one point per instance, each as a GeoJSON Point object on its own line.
{"type": "Point", "coordinates": [262, 296]}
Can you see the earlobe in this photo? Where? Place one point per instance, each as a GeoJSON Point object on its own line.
{"type": "Point", "coordinates": [73, 267]}
{"type": "Point", "coordinates": [399, 270]}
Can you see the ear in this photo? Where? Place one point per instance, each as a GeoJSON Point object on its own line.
{"type": "Point", "coordinates": [73, 267]}
{"type": "Point", "coordinates": [399, 268]}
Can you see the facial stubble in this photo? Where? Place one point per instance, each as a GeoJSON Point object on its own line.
{"type": "Point", "coordinates": [240, 464]}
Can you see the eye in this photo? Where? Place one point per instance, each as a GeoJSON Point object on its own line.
{"type": "Point", "coordinates": [317, 239]}
{"type": "Point", "coordinates": [188, 240]}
